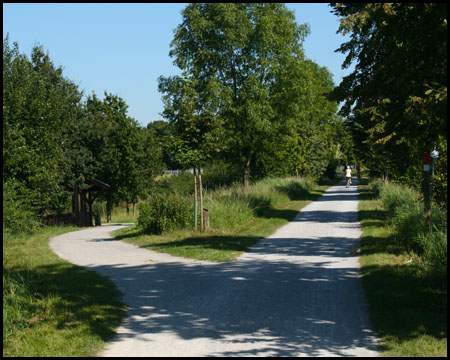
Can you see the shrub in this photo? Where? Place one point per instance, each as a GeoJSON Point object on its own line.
{"type": "Point", "coordinates": [162, 213]}
{"type": "Point", "coordinates": [182, 184]}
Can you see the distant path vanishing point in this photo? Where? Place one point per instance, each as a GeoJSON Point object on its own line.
{"type": "Point", "coordinates": [296, 293]}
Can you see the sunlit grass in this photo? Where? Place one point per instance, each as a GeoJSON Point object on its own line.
{"type": "Point", "coordinates": [238, 220]}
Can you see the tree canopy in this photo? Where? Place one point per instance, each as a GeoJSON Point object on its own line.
{"type": "Point", "coordinates": [245, 83]}
{"type": "Point", "coordinates": [396, 98]}
{"type": "Point", "coordinates": [53, 137]}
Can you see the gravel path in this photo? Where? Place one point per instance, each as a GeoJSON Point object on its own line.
{"type": "Point", "coordinates": [296, 293]}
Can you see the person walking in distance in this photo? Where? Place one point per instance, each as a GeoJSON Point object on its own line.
{"type": "Point", "coordinates": [348, 176]}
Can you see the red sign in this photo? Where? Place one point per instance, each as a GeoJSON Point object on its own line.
{"type": "Point", "coordinates": [426, 159]}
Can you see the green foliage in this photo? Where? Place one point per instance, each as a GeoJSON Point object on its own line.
{"type": "Point", "coordinates": [161, 213]}
{"type": "Point", "coordinates": [219, 173]}
{"type": "Point", "coordinates": [19, 303]}
{"type": "Point", "coordinates": [407, 215]}
{"type": "Point", "coordinates": [246, 85]}
{"type": "Point", "coordinates": [232, 206]}
{"type": "Point", "coordinates": [38, 103]}
{"type": "Point", "coordinates": [52, 308]}
{"type": "Point", "coordinates": [164, 133]}
{"type": "Point", "coordinates": [51, 138]}
{"type": "Point", "coordinates": [398, 198]}
{"type": "Point", "coordinates": [17, 214]}
{"type": "Point", "coordinates": [396, 98]}
{"type": "Point", "coordinates": [182, 184]}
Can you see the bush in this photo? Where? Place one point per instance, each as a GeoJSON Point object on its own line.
{"type": "Point", "coordinates": [182, 184]}
{"type": "Point", "coordinates": [218, 174]}
{"type": "Point", "coordinates": [162, 213]}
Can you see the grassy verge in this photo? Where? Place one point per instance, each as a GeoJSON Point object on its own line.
{"type": "Point", "coordinates": [407, 303]}
{"type": "Point", "coordinates": [238, 220]}
{"type": "Point", "coordinates": [51, 307]}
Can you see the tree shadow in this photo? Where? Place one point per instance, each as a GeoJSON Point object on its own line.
{"type": "Point", "coordinates": [79, 298]}
{"type": "Point", "coordinates": [405, 303]}
{"type": "Point", "coordinates": [269, 304]}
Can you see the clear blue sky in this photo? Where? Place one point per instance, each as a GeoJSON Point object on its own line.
{"type": "Point", "coordinates": [124, 48]}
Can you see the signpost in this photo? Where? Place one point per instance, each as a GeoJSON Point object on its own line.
{"type": "Point", "coordinates": [426, 188]}
{"type": "Point", "coordinates": [434, 155]}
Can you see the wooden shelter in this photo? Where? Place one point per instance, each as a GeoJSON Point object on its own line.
{"type": "Point", "coordinates": [82, 200]}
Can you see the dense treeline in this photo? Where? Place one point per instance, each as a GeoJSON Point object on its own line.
{"type": "Point", "coordinates": [395, 101]}
{"type": "Point", "coordinates": [53, 139]}
{"type": "Point", "coordinates": [248, 104]}
{"type": "Point", "coordinates": [248, 101]}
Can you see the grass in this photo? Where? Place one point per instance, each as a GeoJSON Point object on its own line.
{"type": "Point", "coordinates": [407, 303]}
{"type": "Point", "coordinates": [51, 307]}
{"type": "Point", "coordinates": [238, 220]}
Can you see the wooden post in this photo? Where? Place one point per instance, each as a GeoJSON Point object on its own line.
{"type": "Point", "coordinates": [201, 198]}
{"type": "Point", "coordinates": [108, 210]}
{"type": "Point", "coordinates": [90, 214]}
{"type": "Point", "coordinates": [82, 209]}
{"type": "Point", "coordinates": [195, 199]}
{"type": "Point", "coordinates": [76, 206]}
{"type": "Point", "coordinates": [206, 218]}
{"type": "Point", "coordinates": [426, 189]}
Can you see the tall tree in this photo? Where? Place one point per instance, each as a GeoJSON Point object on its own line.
{"type": "Point", "coordinates": [235, 57]}
{"type": "Point", "coordinates": [397, 94]}
{"type": "Point", "coordinates": [38, 103]}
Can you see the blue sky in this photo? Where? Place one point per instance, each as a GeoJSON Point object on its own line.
{"type": "Point", "coordinates": [124, 48]}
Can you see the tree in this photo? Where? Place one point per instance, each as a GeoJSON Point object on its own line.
{"type": "Point", "coordinates": [235, 58]}
{"type": "Point", "coordinates": [397, 94]}
{"type": "Point", "coordinates": [107, 144]}
{"type": "Point", "coordinates": [164, 133]}
{"type": "Point", "coordinates": [38, 103]}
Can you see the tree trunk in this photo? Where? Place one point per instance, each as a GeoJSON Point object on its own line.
{"type": "Point", "coordinates": [427, 197]}
{"type": "Point", "coordinates": [108, 211]}
{"type": "Point", "coordinates": [90, 213]}
{"type": "Point", "coordinates": [76, 206]}
{"type": "Point", "coordinates": [245, 167]}
{"type": "Point", "coordinates": [246, 179]}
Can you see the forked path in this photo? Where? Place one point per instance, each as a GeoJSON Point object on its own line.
{"type": "Point", "coordinates": [296, 293]}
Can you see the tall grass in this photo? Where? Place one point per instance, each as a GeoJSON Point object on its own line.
{"type": "Point", "coordinates": [232, 206]}
{"type": "Point", "coordinates": [238, 219]}
{"type": "Point", "coordinates": [407, 304]}
{"type": "Point", "coordinates": [406, 214]}
{"type": "Point", "coordinates": [229, 206]}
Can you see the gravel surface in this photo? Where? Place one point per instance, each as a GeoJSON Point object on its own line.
{"type": "Point", "coordinates": [296, 293]}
